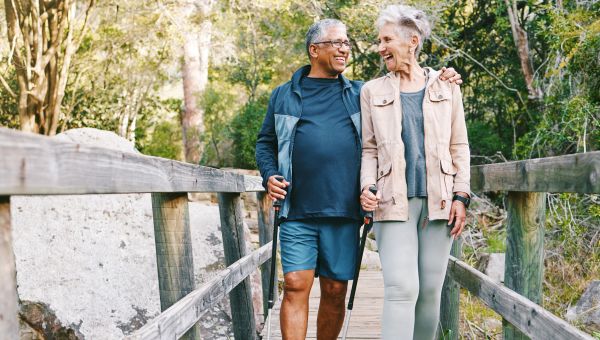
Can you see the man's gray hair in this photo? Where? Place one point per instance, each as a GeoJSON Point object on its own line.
{"type": "Point", "coordinates": [409, 21]}
{"type": "Point", "coordinates": [317, 31]}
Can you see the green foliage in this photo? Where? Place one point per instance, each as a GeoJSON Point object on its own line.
{"type": "Point", "coordinates": [245, 127]}
{"type": "Point", "coordinates": [165, 141]}
{"type": "Point", "coordinates": [158, 131]}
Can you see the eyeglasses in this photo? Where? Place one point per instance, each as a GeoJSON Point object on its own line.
{"type": "Point", "coordinates": [336, 43]}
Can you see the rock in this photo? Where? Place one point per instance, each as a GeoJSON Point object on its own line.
{"type": "Point", "coordinates": [87, 264]}
{"type": "Point", "coordinates": [95, 137]}
{"type": "Point", "coordinates": [371, 244]}
{"type": "Point", "coordinates": [492, 265]}
{"type": "Point", "coordinates": [370, 260]}
{"type": "Point", "coordinates": [587, 309]}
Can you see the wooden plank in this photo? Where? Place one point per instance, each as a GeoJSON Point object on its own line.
{"type": "Point", "coordinates": [523, 272]}
{"type": "Point", "coordinates": [530, 318]}
{"type": "Point", "coordinates": [569, 173]}
{"type": "Point", "coordinates": [365, 322]}
{"type": "Point", "coordinates": [9, 325]}
{"type": "Point", "coordinates": [449, 309]}
{"type": "Point", "coordinates": [234, 244]}
{"type": "Point", "coordinates": [253, 183]}
{"type": "Point", "coordinates": [174, 258]}
{"type": "Point", "coordinates": [265, 235]}
{"type": "Point", "coordinates": [32, 164]}
{"type": "Point", "coordinates": [176, 320]}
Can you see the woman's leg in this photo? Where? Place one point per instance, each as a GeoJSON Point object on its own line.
{"type": "Point", "coordinates": [434, 247]}
{"type": "Point", "coordinates": [398, 251]}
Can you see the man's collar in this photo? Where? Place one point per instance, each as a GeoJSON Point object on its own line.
{"type": "Point", "coordinates": [304, 71]}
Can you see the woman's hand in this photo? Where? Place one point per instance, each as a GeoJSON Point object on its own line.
{"type": "Point", "coordinates": [368, 201]}
{"type": "Point", "coordinates": [458, 216]}
{"type": "Point", "coordinates": [276, 188]}
{"type": "Point", "coordinates": [451, 75]}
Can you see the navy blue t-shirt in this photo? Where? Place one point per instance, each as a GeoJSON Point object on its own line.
{"type": "Point", "coordinates": [326, 155]}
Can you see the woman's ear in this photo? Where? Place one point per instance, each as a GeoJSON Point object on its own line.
{"type": "Point", "coordinates": [414, 41]}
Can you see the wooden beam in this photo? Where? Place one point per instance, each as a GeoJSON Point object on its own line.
{"type": "Point", "coordinates": [234, 244]}
{"type": "Point", "coordinates": [37, 165]}
{"type": "Point", "coordinates": [524, 268]}
{"type": "Point", "coordinates": [532, 319]}
{"type": "Point", "coordinates": [174, 258]}
{"type": "Point", "coordinates": [253, 183]}
{"type": "Point", "coordinates": [9, 324]}
{"type": "Point", "coordinates": [176, 320]}
{"type": "Point", "coordinates": [569, 173]}
{"type": "Point", "coordinates": [450, 305]}
{"type": "Point", "coordinates": [265, 236]}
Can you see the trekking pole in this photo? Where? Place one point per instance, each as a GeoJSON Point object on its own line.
{"type": "Point", "coordinates": [368, 224]}
{"type": "Point", "coordinates": [276, 221]}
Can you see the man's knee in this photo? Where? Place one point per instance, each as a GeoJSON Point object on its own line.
{"type": "Point", "coordinates": [333, 289]}
{"type": "Point", "coordinates": [297, 283]}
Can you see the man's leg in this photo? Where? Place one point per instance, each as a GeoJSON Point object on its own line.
{"type": "Point", "coordinates": [294, 307]}
{"type": "Point", "coordinates": [331, 308]}
{"type": "Point", "coordinates": [338, 248]}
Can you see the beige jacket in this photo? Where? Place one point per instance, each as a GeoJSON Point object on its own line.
{"type": "Point", "coordinates": [447, 156]}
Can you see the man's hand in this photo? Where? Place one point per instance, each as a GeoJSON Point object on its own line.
{"type": "Point", "coordinates": [276, 188]}
{"type": "Point", "coordinates": [458, 216]}
{"type": "Point", "coordinates": [368, 201]}
{"type": "Point", "coordinates": [450, 75]}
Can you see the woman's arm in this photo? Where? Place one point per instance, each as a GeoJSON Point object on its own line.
{"type": "Point", "coordinates": [368, 172]}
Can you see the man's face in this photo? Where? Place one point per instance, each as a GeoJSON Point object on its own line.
{"type": "Point", "coordinates": [328, 58]}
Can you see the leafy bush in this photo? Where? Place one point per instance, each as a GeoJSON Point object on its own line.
{"type": "Point", "coordinates": [245, 127]}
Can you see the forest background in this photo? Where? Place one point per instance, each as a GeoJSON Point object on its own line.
{"type": "Point", "coordinates": [190, 80]}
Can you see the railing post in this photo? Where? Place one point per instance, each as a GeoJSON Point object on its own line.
{"type": "Point", "coordinates": [174, 260]}
{"type": "Point", "coordinates": [449, 309]}
{"type": "Point", "coordinates": [265, 235]}
{"type": "Point", "coordinates": [232, 229]}
{"type": "Point", "coordinates": [9, 325]}
{"type": "Point", "coordinates": [523, 272]}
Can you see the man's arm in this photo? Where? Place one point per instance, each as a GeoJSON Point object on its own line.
{"type": "Point", "coordinates": [451, 75]}
{"type": "Point", "coordinates": [266, 144]}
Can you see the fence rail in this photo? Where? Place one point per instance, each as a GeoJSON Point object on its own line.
{"type": "Point", "coordinates": [37, 165]}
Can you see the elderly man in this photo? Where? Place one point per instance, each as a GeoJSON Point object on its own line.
{"type": "Point", "coordinates": [312, 126]}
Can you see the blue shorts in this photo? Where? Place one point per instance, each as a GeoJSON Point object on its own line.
{"type": "Point", "coordinates": [327, 245]}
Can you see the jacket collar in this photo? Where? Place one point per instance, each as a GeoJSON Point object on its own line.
{"type": "Point", "coordinates": [431, 73]}
{"type": "Point", "coordinates": [304, 71]}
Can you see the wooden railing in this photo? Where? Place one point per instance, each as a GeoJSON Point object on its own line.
{"type": "Point", "coordinates": [36, 165]}
{"type": "Point", "coordinates": [517, 301]}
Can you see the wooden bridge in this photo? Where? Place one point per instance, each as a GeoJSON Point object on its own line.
{"type": "Point", "coordinates": [36, 165]}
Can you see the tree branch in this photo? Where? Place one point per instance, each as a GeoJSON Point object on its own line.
{"type": "Point", "coordinates": [466, 55]}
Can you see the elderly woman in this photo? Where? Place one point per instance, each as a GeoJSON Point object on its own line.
{"type": "Point", "coordinates": [415, 150]}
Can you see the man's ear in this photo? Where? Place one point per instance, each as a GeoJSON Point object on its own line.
{"type": "Point", "coordinates": [313, 51]}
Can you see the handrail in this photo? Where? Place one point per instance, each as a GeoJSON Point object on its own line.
{"type": "Point", "coordinates": [37, 165]}
{"type": "Point", "coordinates": [529, 317]}
{"type": "Point", "coordinates": [180, 317]}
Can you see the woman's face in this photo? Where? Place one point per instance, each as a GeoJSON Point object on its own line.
{"type": "Point", "coordinates": [395, 48]}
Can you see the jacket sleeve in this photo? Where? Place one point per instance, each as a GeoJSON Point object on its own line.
{"type": "Point", "coordinates": [368, 172]}
{"type": "Point", "coordinates": [459, 144]}
{"type": "Point", "coordinates": [266, 144]}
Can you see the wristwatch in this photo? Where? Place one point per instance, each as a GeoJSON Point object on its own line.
{"type": "Point", "coordinates": [465, 200]}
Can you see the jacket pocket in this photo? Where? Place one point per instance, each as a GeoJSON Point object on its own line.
{"type": "Point", "coordinates": [438, 96]}
{"type": "Point", "coordinates": [383, 173]}
{"type": "Point", "coordinates": [383, 100]}
{"type": "Point", "coordinates": [447, 178]}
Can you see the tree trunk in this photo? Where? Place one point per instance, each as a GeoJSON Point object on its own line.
{"type": "Point", "coordinates": [41, 35]}
{"type": "Point", "coordinates": [522, 44]}
{"type": "Point", "coordinates": [195, 78]}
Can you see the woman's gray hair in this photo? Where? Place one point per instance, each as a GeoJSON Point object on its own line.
{"type": "Point", "coordinates": [317, 30]}
{"type": "Point", "coordinates": [409, 21]}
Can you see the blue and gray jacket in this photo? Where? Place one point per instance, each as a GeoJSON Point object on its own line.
{"type": "Point", "coordinates": [275, 142]}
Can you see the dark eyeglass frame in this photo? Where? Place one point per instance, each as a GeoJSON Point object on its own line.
{"type": "Point", "coordinates": [336, 43]}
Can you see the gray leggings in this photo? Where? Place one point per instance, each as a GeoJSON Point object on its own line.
{"type": "Point", "coordinates": [414, 261]}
